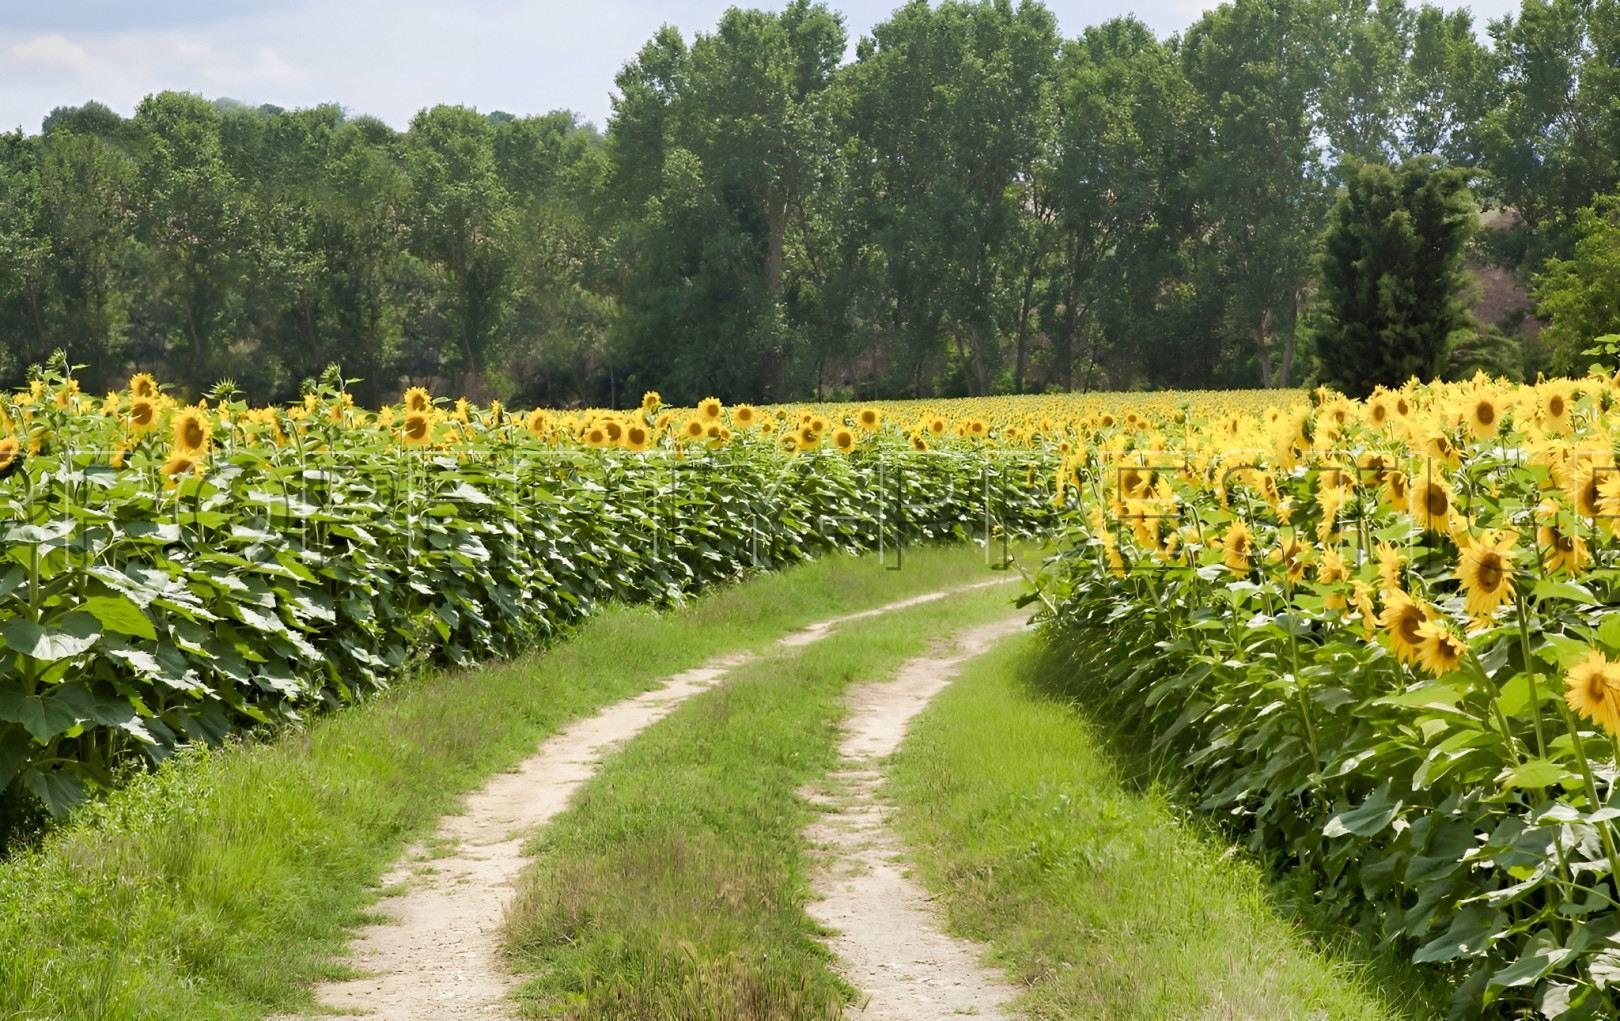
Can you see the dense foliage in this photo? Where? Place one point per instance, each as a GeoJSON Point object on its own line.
{"type": "Point", "coordinates": [1391, 276]}
{"type": "Point", "coordinates": [173, 573]}
{"type": "Point", "coordinates": [972, 205]}
{"type": "Point", "coordinates": [1379, 639]}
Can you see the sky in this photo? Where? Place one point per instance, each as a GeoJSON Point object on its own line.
{"type": "Point", "coordinates": [390, 58]}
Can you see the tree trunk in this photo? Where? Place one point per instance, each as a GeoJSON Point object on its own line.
{"type": "Point", "coordinates": [1023, 323]}
{"type": "Point", "coordinates": [1288, 340]}
{"type": "Point", "coordinates": [1260, 330]}
{"type": "Point", "coordinates": [961, 354]}
{"type": "Point", "coordinates": [978, 360]}
{"type": "Point", "coordinates": [776, 216]}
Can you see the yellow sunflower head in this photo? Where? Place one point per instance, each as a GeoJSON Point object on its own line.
{"type": "Point", "coordinates": [142, 385]}
{"type": "Point", "coordinates": [11, 455]}
{"type": "Point", "coordinates": [1486, 572]}
{"type": "Point", "coordinates": [1401, 619]}
{"type": "Point", "coordinates": [192, 428]}
{"type": "Point", "coordinates": [743, 416]}
{"type": "Point", "coordinates": [143, 414]}
{"type": "Point", "coordinates": [1237, 547]}
{"type": "Point", "coordinates": [1592, 689]}
{"type": "Point", "coordinates": [844, 440]}
{"type": "Point", "coordinates": [710, 408]}
{"type": "Point", "coordinates": [650, 400]}
{"type": "Point", "coordinates": [694, 429]}
{"type": "Point", "coordinates": [868, 418]}
{"type": "Point", "coordinates": [1440, 651]}
{"type": "Point", "coordinates": [418, 399]}
{"type": "Point", "coordinates": [417, 429]}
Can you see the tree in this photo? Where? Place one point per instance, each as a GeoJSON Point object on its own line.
{"type": "Point", "coordinates": [947, 108]}
{"type": "Point", "coordinates": [1392, 283]}
{"type": "Point", "coordinates": [1580, 296]}
{"type": "Point", "coordinates": [1256, 67]}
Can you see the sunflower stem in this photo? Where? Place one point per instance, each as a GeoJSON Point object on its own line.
{"type": "Point", "coordinates": [1591, 783]}
{"type": "Point", "coordinates": [1529, 672]}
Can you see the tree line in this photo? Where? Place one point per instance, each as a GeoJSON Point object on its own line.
{"type": "Point", "coordinates": [972, 205]}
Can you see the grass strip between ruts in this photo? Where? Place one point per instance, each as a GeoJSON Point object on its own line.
{"type": "Point", "coordinates": [223, 885]}
{"type": "Point", "coordinates": [675, 887]}
{"type": "Point", "coordinates": [1095, 896]}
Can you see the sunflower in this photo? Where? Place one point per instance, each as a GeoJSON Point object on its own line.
{"type": "Point", "coordinates": [710, 408]}
{"type": "Point", "coordinates": [1587, 488]}
{"type": "Point", "coordinates": [538, 423]}
{"type": "Point", "coordinates": [1397, 490]}
{"type": "Point", "coordinates": [143, 414]}
{"type": "Point", "coordinates": [596, 437]}
{"type": "Point", "coordinates": [1332, 568]}
{"type": "Point", "coordinates": [1430, 503]}
{"type": "Point", "coordinates": [1440, 651]}
{"type": "Point", "coordinates": [182, 461]}
{"type": "Point", "coordinates": [1237, 546]}
{"type": "Point", "coordinates": [1134, 482]}
{"type": "Point", "coordinates": [11, 455]}
{"type": "Point", "coordinates": [417, 399]}
{"type": "Point", "coordinates": [808, 438]}
{"type": "Point", "coordinates": [650, 400]}
{"type": "Point", "coordinates": [844, 440]}
{"type": "Point", "coordinates": [1294, 556]}
{"type": "Point", "coordinates": [868, 418]}
{"type": "Point", "coordinates": [1483, 415]}
{"type": "Point", "coordinates": [635, 437]}
{"type": "Point", "coordinates": [1554, 407]}
{"type": "Point", "coordinates": [918, 443]}
{"type": "Point", "coordinates": [1361, 599]}
{"type": "Point", "coordinates": [1486, 572]}
{"type": "Point", "coordinates": [743, 416]}
{"type": "Point", "coordinates": [976, 427]}
{"type": "Point", "coordinates": [820, 424]}
{"type": "Point", "coordinates": [143, 385]}
{"type": "Point", "coordinates": [1561, 550]}
{"type": "Point", "coordinates": [192, 428]}
{"type": "Point", "coordinates": [614, 429]}
{"type": "Point", "coordinates": [417, 428]}
{"type": "Point", "coordinates": [694, 429]}
{"type": "Point", "coordinates": [1593, 690]}
{"type": "Point", "coordinates": [936, 426]}
{"type": "Point", "coordinates": [1402, 617]}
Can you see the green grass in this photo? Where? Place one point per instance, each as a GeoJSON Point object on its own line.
{"type": "Point", "coordinates": [1091, 892]}
{"type": "Point", "coordinates": [222, 885]}
{"type": "Point", "coordinates": [675, 888]}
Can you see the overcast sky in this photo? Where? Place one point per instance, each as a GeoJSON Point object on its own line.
{"type": "Point", "coordinates": [388, 58]}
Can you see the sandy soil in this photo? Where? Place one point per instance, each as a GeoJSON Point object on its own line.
{"type": "Point", "coordinates": [889, 940]}
{"type": "Point", "coordinates": [439, 956]}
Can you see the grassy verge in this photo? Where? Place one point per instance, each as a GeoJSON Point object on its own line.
{"type": "Point", "coordinates": [1094, 894]}
{"type": "Point", "coordinates": [675, 888]}
{"type": "Point", "coordinates": [222, 885]}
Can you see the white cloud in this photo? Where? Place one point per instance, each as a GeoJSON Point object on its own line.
{"type": "Point", "coordinates": [51, 52]}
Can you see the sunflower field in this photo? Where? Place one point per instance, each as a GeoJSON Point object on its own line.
{"type": "Point", "coordinates": [175, 572]}
{"type": "Point", "coordinates": [1377, 638]}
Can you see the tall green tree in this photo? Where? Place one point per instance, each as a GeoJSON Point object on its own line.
{"type": "Point", "coordinates": [1254, 65]}
{"type": "Point", "coordinates": [1393, 287]}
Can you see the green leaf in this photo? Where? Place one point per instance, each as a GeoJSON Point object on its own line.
{"type": "Point", "coordinates": [120, 614]}
{"type": "Point", "coordinates": [75, 635]}
{"type": "Point", "coordinates": [1469, 936]}
{"type": "Point", "coordinates": [1538, 773]}
{"type": "Point", "coordinates": [1540, 956]}
{"type": "Point", "coordinates": [15, 747]}
{"type": "Point", "coordinates": [43, 716]}
{"type": "Point", "coordinates": [1570, 591]}
{"type": "Point", "coordinates": [1435, 694]}
{"type": "Point", "coordinates": [1377, 812]}
{"type": "Point", "coordinates": [60, 789]}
